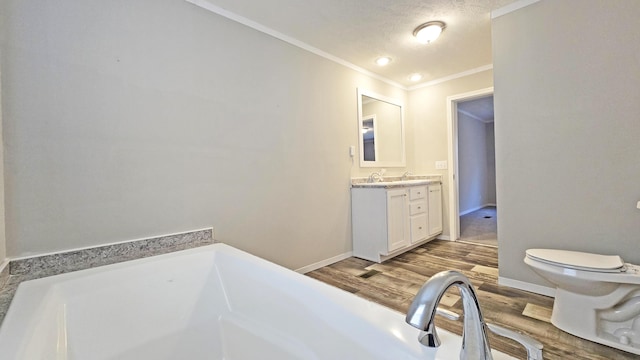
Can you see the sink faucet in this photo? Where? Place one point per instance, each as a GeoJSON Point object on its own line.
{"type": "Point", "coordinates": [422, 312]}
{"type": "Point", "coordinates": [375, 177]}
{"type": "Point", "coordinates": [406, 175]}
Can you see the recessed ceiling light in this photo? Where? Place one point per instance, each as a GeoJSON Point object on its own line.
{"type": "Point", "coordinates": [382, 61]}
{"type": "Point", "coordinates": [428, 32]}
{"type": "Point", "coordinates": [415, 77]}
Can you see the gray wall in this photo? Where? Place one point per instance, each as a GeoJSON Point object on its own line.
{"type": "Point", "coordinates": [567, 110]}
{"type": "Point", "coordinates": [3, 246]}
{"type": "Point", "coordinates": [476, 170]}
{"type": "Point", "coordinates": [491, 163]}
{"type": "Point", "coordinates": [128, 119]}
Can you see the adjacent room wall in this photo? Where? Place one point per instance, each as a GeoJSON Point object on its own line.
{"type": "Point", "coordinates": [129, 119]}
{"type": "Point", "coordinates": [427, 112]}
{"type": "Point", "coordinates": [566, 125]}
{"type": "Point", "coordinates": [474, 165]}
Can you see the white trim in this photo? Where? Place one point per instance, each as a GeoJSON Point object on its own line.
{"type": "Point", "coordinates": [511, 8]}
{"type": "Point", "coordinates": [323, 263]}
{"type": "Point", "coordinates": [109, 244]}
{"type": "Point", "coordinates": [534, 288]}
{"type": "Point", "coordinates": [444, 237]}
{"type": "Point", "coordinates": [4, 264]}
{"type": "Point", "coordinates": [473, 116]}
{"type": "Point", "coordinates": [288, 39]}
{"type": "Point", "coordinates": [451, 77]}
{"type": "Point", "coordinates": [452, 139]}
{"type": "Point", "coordinates": [475, 209]}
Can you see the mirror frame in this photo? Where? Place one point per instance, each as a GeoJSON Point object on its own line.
{"type": "Point", "coordinates": [403, 161]}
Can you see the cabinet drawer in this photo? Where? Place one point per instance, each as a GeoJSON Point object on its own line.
{"type": "Point", "coordinates": [417, 192]}
{"type": "Point", "coordinates": [419, 230]}
{"type": "Point", "coordinates": [418, 207]}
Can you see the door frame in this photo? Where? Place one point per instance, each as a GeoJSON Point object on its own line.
{"type": "Point", "coordinates": [452, 137]}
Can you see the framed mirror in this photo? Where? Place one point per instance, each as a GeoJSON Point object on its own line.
{"type": "Point", "coordinates": [381, 130]}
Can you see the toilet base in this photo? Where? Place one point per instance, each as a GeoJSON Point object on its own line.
{"type": "Point", "coordinates": [587, 317]}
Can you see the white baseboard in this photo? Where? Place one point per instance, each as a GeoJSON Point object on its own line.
{"type": "Point", "coordinates": [475, 209]}
{"type": "Point", "coordinates": [323, 263]}
{"type": "Point", "coordinates": [534, 288]}
{"type": "Point", "coordinates": [444, 237]}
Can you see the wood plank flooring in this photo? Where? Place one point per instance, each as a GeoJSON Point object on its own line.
{"type": "Point", "coordinates": [395, 282]}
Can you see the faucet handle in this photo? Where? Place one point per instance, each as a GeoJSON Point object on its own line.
{"type": "Point", "coordinates": [533, 346]}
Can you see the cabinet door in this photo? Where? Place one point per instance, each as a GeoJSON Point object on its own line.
{"type": "Point", "coordinates": [435, 209]}
{"type": "Point", "coordinates": [419, 228]}
{"type": "Point", "coordinates": [397, 219]}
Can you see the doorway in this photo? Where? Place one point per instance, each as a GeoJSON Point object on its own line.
{"type": "Point", "coordinates": [472, 199]}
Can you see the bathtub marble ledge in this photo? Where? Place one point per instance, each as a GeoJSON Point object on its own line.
{"type": "Point", "coordinates": [20, 270]}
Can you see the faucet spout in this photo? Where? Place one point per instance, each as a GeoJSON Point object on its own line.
{"type": "Point", "coordinates": [422, 312]}
{"type": "Point", "coordinates": [375, 177]}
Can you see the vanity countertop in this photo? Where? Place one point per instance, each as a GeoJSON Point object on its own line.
{"type": "Point", "coordinates": [396, 182]}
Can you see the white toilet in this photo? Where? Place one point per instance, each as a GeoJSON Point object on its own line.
{"type": "Point", "coordinates": [597, 296]}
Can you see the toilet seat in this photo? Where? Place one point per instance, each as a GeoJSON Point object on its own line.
{"type": "Point", "coordinates": [578, 260]}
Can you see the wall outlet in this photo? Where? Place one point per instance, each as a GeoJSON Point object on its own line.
{"type": "Point", "coordinates": [638, 205]}
{"type": "Point", "coordinates": [352, 151]}
{"type": "Point", "coordinates": [441, 165]}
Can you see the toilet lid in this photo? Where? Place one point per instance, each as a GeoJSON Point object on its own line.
{"type": "Point", "coordinates": [578, 260]}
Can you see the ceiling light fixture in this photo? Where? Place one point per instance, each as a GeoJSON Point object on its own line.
{"type": "Point", "coordinates": [415, 77]}
{"type": "Point", "coordinates": [430, 31]}
{"type": "Point", "coordinates": [382, 61]}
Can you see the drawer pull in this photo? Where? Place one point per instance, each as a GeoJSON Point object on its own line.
{"type": "Point", "coordinates": [419, 227]}
{"type": "Point", "coordinates": [419, 207]}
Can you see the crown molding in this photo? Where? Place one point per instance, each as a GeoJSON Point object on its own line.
{"type": "Point", "coordinates": [452, 77]}
{"type": "Point", "coordinates": [512, 7]}
{"type": "Point", "coordinates": [302, 45]}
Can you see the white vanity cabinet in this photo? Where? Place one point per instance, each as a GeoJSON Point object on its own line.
{"type": "Point", "coordinates": [418, 216]}
{"type": "Point", "coordinates": [397, 220]}
{"type": "Point", "coordinates": [388, 221]}
{"type": "Point", "coordinates": [435, 208]}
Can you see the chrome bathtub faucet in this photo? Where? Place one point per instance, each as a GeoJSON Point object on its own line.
{"type": "Point", "coordinates": [475, 344]}
{"type": "Point", "coordinates": [422, 313]}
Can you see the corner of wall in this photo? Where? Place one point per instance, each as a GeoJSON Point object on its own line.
{"type": "Point", "coordinates": [3, 243]}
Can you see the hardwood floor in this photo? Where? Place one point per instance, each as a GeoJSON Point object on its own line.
{"type": "Point", "coordinates": [395, 282]}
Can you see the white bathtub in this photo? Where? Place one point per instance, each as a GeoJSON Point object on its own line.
{"type": "Point", "coordinates": [213, 302]}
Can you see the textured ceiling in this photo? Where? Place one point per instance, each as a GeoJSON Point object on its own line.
{"type": "Point", "coordinates": [363, 30]}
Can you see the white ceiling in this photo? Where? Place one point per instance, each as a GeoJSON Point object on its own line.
{"type": "Point", "coordinates": [363, 30]}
